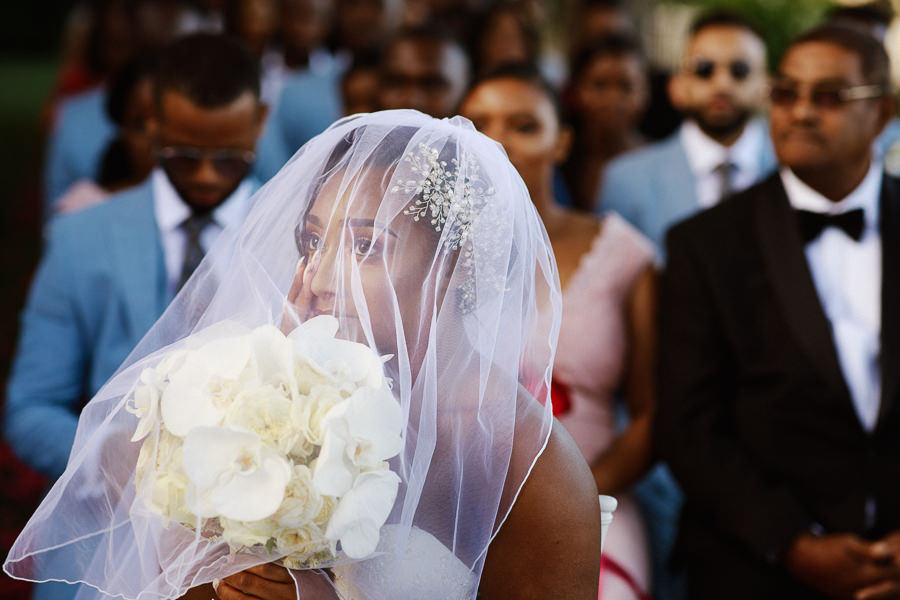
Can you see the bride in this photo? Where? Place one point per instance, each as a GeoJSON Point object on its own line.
{"type": "Point", "coordinates": [418, 236]}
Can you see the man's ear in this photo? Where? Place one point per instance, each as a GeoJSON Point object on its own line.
{"type": "Point", "coordinates": [563, 144]}
{"type": "Point", "coordinates": [152, 128]}
{"type": "Point", "coordinates": [676, 89]}
{"type": "Point", "coordinates": [886, 108]}
{"type": "Point", "coordinates": [262, 115]}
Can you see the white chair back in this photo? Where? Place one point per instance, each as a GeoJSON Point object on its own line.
{"type": "Point", "coordinates": [608, 506]}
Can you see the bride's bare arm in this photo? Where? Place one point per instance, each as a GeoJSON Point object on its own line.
{"type": "Point", "coordinates": [549, 546]}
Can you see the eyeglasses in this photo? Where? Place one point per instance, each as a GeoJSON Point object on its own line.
{"type": "Point", "coordinates": [705, 69]}
{"type": "Point", "coordinates": [786, 95]}
{"type": "Point", "coordinates": [183, 161]}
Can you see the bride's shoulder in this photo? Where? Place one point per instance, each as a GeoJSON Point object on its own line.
{"type": "Point", "coordinates": [549, 545]}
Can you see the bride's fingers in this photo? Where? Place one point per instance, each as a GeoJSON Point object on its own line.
{"type": "Point", "coordinates": [226, 592]}
{"type": "Point", "coordinates": [245, 584]}
{"type": "Point", "coordinates": [297, 283]}
{"type": "Point", "coordinates": [272, 572]}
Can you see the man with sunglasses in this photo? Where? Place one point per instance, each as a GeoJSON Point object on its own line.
{"type": "Point", "coordinates": [108, 272]}
{"type": "Point", "coordinates": [779, 408]}
{"type": "Point", "coordinates": [719, 149]}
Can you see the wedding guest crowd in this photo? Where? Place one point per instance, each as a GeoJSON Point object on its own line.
{"type": "Point", "coordinates": [727, 361]}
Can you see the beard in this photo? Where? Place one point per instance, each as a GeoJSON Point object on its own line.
{"type": "Point", "coordinates": [720, 127]}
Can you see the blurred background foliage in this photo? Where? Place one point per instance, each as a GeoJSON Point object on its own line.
{"type": "Point", "coordinates": [778, 20]}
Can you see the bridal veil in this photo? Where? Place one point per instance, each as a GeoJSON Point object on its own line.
{"type": "Point", "coordinates": [418, 235]}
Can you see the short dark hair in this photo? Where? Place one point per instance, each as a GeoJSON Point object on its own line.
{"type": "Point", "coordinates": [874, 61]}
{"type": "Point", "coordinates": [487, 20]}
{"type": "Point", "coordinates": [429, 32]}
{"type": "Point", "coordinates": [123, 84]}
{"type": "Point", "coordinates": [873, 13]}
{"type": "Point", "coordinates": [211, 70]}
{"type": "Point", "coordinates": [527, 73]}
{"type": "Point", "coordinates": [611, 45]}
{"type": "Point", "coordinates": [724, 18]}
{"type": "Point", "coordinates": [366, 60]}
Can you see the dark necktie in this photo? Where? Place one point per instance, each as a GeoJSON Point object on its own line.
{"type": "Point", "coordinates": [193, 226]}
{"type": "Point", "coordinates": [812, 224]}
{"type": "Point", "coordinates": [726, 172]}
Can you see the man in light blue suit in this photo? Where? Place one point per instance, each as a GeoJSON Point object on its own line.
{"type": "Point", "coordinates": [81, 132]}
{"type": "Point", "coordinates": [719, 149]}
{"type": "Point", "coordinates": [108, 272]}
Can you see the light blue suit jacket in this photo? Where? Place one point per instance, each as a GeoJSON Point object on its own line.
{"type": "Point", "coordinates": [308, 104]}
{"type": "Point", "coordinates": [653, 187]}
{"type": "Point", "coordinates": [98, 289]}
{"type": "Point", "coordinates": [76, 145]}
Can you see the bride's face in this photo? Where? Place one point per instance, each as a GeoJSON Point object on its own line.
{"type": "Point", "coordinates": [369, 269]}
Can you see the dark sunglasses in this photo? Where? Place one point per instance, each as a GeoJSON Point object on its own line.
{"type": "Point", "coordinates": [705, 69]}
{"type": "Point", "coordinates": [786, 95]}
{"type": "Point", "coordinates": [183, 161]}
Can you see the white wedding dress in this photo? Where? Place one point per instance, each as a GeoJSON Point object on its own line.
{"type": "Point", "coordinates": [430, 570]}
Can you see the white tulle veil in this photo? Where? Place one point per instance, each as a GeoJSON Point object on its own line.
{"type": "Point", "coordinates": [419, 236]}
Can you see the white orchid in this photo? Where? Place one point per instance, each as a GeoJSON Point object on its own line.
{"type": "Point", "coordinates": [201, 388]}
{"type": "Point", "coordinates": [340, 359]}
{"type": "Point", "coordinates": [233, 474]}
{"type": "Point", "coordinates": [360, 432]}
{"type": "Point", "coordinates": [144, 403]}
{"type": "Point", "coordinates": [273, 355]}
{"type": "Point", "coordinates": [357, 520]}
{"type": "Point", "coordinates": [270, 440]}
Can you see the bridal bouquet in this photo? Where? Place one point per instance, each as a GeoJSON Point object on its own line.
{"type": "Point", "coordinates": [271, 441]}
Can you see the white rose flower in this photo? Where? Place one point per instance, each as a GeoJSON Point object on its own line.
{"type": "Point", "coordinates": [357, 520]}
{"type": "Point", "coordinates": [233, 474]}
{"type": "Point", "coordinates": [301, 543]}
{"type": "Point", "coordinates": [360, 433]}
{"type": "Point", "coordinates": [302, 503]}
{"type": "Point", "coordinates": [239, 533]}
{"type": "Point", "coordinates": [202, 386]}
{"type": "Point", "coordinates": [159, 453]}
{"type": "Point", "coordinates": [309, 411]}
{"type": "Point", "coordinates": [265, 411]}
{"type": "Point", "coordinates": [168, 497]}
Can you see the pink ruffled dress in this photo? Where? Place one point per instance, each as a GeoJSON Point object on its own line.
{"type": "Point", "coordinates": [590, 365]}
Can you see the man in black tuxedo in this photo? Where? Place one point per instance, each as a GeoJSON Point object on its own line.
{"type": "Point", "coordinates": [779, 409]}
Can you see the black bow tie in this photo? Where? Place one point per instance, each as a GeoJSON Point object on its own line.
{"type": "Point", "coordinates": [812, 224]}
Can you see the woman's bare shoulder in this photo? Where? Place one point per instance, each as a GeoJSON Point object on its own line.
{"type": "Point", "coordinates": [549, 545]}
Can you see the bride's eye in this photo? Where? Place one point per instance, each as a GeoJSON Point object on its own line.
{"type": "Point", "coordinates": [362, 247]}
{"type": "Point", "coordinates": [309, 242]}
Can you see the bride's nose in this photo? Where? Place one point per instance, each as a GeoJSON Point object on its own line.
{"type": "Point", "coordinates": [323, 275]}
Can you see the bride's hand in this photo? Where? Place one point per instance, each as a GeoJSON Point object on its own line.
{"type": "Point", "coordinates": [262, 582]}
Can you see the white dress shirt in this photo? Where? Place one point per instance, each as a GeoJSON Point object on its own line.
{"type": "Point", "coordinates": [705, 155]}
{"type": "Point", "coordinates": [847, 276]}
{"type": "Point", "coordinates": [171, 211]}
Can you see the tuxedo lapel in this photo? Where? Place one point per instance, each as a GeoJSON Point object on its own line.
{"type": "Point", "coordinates": [889, 224]}
{"type": "Point", "coordinates": [785, 261]}
{"type": "Point", "coordinates": [138, 260]}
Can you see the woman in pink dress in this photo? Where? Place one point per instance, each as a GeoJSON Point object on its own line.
{"type": "Point", "coordinates": [607, 339]}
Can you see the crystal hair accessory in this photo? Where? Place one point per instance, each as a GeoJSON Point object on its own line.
{"type": "Point", "coordinates": [437, 199]}
{"type": "Point", "coordinates": [440, 199]}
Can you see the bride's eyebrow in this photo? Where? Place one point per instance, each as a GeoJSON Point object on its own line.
{"type": "Point", "coordinates": [370, 223]}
